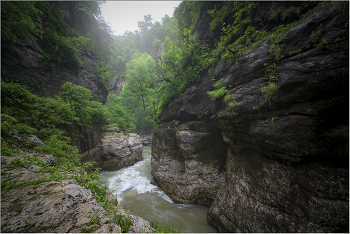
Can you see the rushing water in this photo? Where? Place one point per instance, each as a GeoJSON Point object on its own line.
{"type": "Point", "coordinates": [132, 185]}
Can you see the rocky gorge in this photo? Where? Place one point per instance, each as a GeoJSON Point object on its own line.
{"type": "Point", "coordinates": [259, 135]}
{"type": "Point", "coordinates": [276, 164]}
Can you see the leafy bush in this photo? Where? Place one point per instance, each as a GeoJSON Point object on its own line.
{"type": "Point", "coordinates": [5, 149]}
{"type": "Point", "coordinates": [58, 146]}
{"type": "Point", "coordinates": [269, 89]}
{"type": "Point", "coordinates": [118, 113]}
{"type": "Point", "coordinates": [105, 73]}
{"type": "Point", "coordinates": [163, 228]}
{"type": "Point", "coordinates": [86, 111]}
{"type": "Point", "coordinates": [21, 128]}
{"type": "Point", "coordinates": [220, 90]}
{"type": "Point", "coordinates": [7, 123]}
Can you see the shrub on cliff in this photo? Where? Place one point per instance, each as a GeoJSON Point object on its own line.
{"type": "Point", "coordinates": [46, 116]}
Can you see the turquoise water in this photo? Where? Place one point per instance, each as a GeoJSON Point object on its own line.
{"type": "Point", "coordinates": [134, 191]}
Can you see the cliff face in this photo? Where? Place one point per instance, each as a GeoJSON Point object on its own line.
{"type": "Point", "coordinates": [278, 165]}
{"type": "Point", "coordinates": [48, 82]}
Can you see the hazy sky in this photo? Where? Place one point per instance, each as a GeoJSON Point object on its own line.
{"type": "Point", "coordinates": [123, 15]}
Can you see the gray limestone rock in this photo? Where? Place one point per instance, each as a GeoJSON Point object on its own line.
{"type": "Point", "coordinates": [116, 151]}
{"type": "Point", "coordinates": [55, 206]}
{"type": "Point", "coordinates": [281, 164]}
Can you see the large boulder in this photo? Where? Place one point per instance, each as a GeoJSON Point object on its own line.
{"type": "Point", "coordinates": [284, 160]}
{"type": "Point", "coordinates": [116, 151]}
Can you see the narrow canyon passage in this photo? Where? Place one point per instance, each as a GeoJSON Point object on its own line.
{"type": "Point", "coordinates": [132, 185]}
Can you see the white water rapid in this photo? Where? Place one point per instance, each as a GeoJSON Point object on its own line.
{"type": "Point", "coordinates": [132, 185]}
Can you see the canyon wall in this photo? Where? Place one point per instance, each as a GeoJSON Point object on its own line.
{"type": "Point", "coordinates": [266, 165]}
{"type": "Point", "coordinates": [48, 82]}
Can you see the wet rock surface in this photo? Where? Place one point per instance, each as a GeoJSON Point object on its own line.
{"type": "Point", "coordinates": [146, 140]}
{"type": "Point", "coordinates": [55, 206]}
{"type": "Point", "coordinates": [188, 165]}
{"type": "Point", "coordinates": [117, 150]}
{"type": "Point", "coordinates": [48, 82]}
{"type": "Point", "coordinates": [278, 165]}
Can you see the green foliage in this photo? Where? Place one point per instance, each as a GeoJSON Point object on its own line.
{"type": "Point", "coordinates": [233, 104]}
{"type": "Point", "coordinates": [241, 14]}
{"type": "Point", "coordinates": [137, 95]}
{"type": "Point", "coordinates": [23, 129]}
{"type": "Point", "coordinates": [65, 31]}
{"type": "Point", "coordinates": [104, 72]}
{"type": "Point", "coordinates": [140, 75]}
{"type": "Point", "coordinates": [274, 117]}
{"type": "Point", "coordinates": [220, 90]}
{"type": "Point", "coordinates": [89, 229]}
{"type": "Point", "coordinates": [284, 13]}
{"type": "Point", "coordinates": [86, 111]}
{"type": "Point", "coordinates": [5, 149]}
{"type": "Point", "coordinates": [118, 112]}
{"type": "Point", "coordinates": [269, 90]}
{"type": "Point", "coordinates": [187, 14]}
{"type": "Point", "coordinates": [58, 146]}
{"type": "Point", "coordinates": [163, 228]}
{"type": "Point", "coordinates": [227, 98]}
{"type": "Point", "coordinates": [60, 52]}
{"type": "Point", "coordinates": [36, 161]}
{"type": "Point", "coordinates": [183, 62]}
{"type": "Point", "coordinates": [341, 7]}
{"type": "Point", "coordinates": [123, 221]}
{"type": "Point", "coordinates": [6, 185]}
{"type": "Point", "coordinates": [248, 41]}
{"type": "Point", "coordinates": [7, 123]}
{"type": "Point", "coordinates": [20, 22]}
{"type": "Point", "coordinates": [48, 115]}
{"type": "Point", "coordinates": [215, 94]}
{"type": "Point", "coordinates": [17, 163]}
{"type": "Point", "coordinates": [270, 87]}
{"type": "Point", "coordinates": [35, 112]}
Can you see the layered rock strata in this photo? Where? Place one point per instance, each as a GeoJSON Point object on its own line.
{"type": "Point", "coordinates": [278, 165]}
{"type": "Point", "coordinates": [55, 206]}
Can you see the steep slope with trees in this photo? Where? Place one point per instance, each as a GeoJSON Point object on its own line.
{"type": "Point", "coordinates": [46, 44]}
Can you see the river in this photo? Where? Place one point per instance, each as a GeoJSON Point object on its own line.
{"type": "Point", "coordinates": [134, 191]}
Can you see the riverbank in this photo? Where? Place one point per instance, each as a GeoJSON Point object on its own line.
{"type": "Point", "coordinates": [41, 202]}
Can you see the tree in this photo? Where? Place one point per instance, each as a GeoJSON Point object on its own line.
{"type": "Point", "coordinates": [141, 75]}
